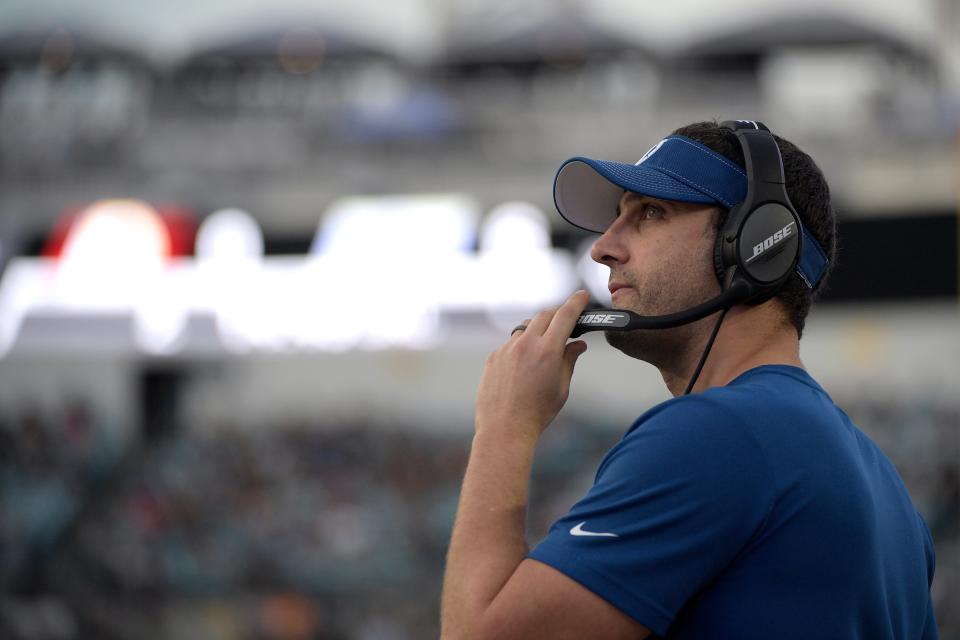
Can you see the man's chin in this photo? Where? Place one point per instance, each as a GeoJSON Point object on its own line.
{"type": "Point", "coordinates": [625, 341]}
{"type": "Point", "coordinates": [631, 343]}
{"type": "Point", "coordinates": [655, 346]}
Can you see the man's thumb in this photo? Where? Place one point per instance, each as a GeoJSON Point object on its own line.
{"type": "Point", "coordinates": [573, 351]}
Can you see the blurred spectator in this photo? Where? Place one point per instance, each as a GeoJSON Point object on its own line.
{"type": "Point", "coordinates": [299, 531]}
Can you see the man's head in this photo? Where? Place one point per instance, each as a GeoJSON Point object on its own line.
{"type": "Point", "coordinates": [662, 245]}
{"type": "Point", "coordinates": [808, 192]}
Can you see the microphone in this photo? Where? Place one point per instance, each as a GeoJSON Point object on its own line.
{"type": "Point", "coordinates": [625, 320]}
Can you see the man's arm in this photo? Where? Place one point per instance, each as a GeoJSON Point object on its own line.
{"type": "Point", "coordinates": [489, 590]}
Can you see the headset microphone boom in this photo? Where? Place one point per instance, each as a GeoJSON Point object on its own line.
{"type": "Point", "coordinates": [626, 320]}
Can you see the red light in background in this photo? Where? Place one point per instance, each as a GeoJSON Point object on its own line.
{"type": "Point", "coordinates": [178, 219]}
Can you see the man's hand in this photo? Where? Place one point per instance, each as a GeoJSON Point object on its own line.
{"type": "Point", "coordinates": [489, 590]}
{"type": "Point", "coordinates": [526, 381]}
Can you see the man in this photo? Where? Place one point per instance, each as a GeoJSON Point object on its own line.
{"type": "Point", "coordinates": [751, 508]}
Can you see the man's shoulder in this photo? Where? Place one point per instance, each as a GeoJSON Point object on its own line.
{"type": "Point", "coordinates": [747, 398]}
{"type": "Point", "coordinates": [691, 429]}
{"type": "Point", "coordinates": [719, 406]}
{"type": "Point", "coordinates": [687, 450]}
{"type": "Point", "coordinates": [755, 414]}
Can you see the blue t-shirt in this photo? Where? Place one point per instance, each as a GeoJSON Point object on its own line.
{"type": "Point", "coordinates": [751, 511]}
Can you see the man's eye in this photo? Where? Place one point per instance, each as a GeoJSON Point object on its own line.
{"type": "Point", "coordinates": [652, 212]}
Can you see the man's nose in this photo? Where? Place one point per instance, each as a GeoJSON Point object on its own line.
{"type": "Point", "coordinates": [609, 248]}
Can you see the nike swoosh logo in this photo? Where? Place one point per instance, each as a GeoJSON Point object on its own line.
{"type": "Point", "coordinates": [579, 531]}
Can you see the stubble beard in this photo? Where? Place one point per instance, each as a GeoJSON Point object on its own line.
{"type": "Point", "coordinates": [675, 287]}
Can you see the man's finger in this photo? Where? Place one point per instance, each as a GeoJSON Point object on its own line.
{"type": "Point", "coordinates": [565, 319]}
{"type": "Point", "coordinates": [540, 322]}
{"type": "Point", "coordinates": [519, 330]}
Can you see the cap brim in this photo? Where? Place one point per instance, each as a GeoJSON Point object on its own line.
{"type": "Point", "coordinates": [587, 191]}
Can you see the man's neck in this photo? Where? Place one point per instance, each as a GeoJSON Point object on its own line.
{"type": "Point", "coordinates": [749, 337]}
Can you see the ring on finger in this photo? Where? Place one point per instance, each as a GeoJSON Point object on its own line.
{"type": "Point", "coordinates": [519, 327]}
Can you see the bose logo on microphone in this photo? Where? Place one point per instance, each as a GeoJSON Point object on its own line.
{"type": "Point", "coordinates": [600, 318]}
{"type": "Point", "coordinates": [770, 242]}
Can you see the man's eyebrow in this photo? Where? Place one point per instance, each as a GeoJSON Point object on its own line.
{"type": "Point", "coordinates": [631, 196]}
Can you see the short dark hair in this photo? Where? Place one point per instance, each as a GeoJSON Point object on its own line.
{"type": "Point", "coordinates": [808, 192]}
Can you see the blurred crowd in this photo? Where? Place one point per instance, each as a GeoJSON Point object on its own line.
{"type": "Point", "coordinates": [314, 529]}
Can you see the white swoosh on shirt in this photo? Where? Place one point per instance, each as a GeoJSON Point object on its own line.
{"type": "Point", "coordinates": [579, 531]}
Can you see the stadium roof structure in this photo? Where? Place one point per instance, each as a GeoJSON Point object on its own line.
{"type": "Point", "coordinates": [563, 34]}
{"type": "Point", "coordinates": [57, 46]}
{"type": "Point", "coordinates": [285, 38]}
{"type": "Point", "coordinates": [479, 30]}
{"type": "Point", "coordinates": [696, 25]}
{"type": "Point", "coordinates": [816, 30]}
{"type": "Point", "coordinates": [167, 33]}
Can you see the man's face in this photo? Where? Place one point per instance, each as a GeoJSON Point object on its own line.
{"type": "Point", "coordinates": [660, 255]}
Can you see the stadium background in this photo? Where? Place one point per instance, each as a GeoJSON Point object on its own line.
{"type": "Point", "coordinates": [254, 253]}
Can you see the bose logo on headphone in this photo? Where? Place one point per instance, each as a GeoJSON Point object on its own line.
{"type": "Point", "coordinates": [600, 318]}
{"type": "Point", "coordinates": [770, 242]}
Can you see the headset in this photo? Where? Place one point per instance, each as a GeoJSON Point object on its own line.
{"type": "Point", "coordinates": [757, 250]}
